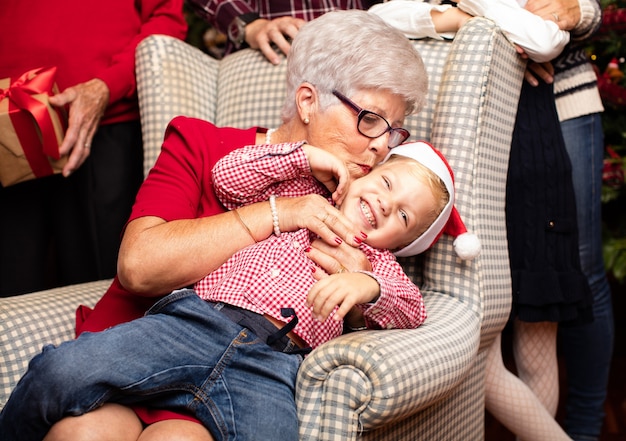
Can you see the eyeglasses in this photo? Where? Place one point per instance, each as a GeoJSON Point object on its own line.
{"type": "Point", "coordinates": [372, 125]}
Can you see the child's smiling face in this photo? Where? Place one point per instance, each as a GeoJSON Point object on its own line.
{"type": "Point", "coordinates": [393, 205]}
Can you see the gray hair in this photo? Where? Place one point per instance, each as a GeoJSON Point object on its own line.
{"type": "Point", "coordinates": [350, 51]}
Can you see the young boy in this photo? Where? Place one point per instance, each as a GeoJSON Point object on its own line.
{"type": "Point", "coordinates": [393, 205]}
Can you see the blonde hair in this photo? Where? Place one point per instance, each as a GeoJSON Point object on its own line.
{"type": "Point", "coordinates": [434, 182]}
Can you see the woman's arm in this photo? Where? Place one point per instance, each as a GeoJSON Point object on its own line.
{"type": "Point", "coordinates": [541, 39]}
{"type": "Point", "coordinates": [417, 19]}
{"type": "Point", "coordinates": [157, 257]}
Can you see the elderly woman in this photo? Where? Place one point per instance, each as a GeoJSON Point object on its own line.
{"type": "Point", "coordinates": [176, 235]}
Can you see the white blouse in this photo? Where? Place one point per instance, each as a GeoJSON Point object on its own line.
{"type": "Point", "coordinates": [541, 39]}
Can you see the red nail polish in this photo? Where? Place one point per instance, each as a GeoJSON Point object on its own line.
{"type": "Point", "coordinates": [358, 240]}
{"type": "Point", "coordinates": [363, 235]}
{"type": "Point", "coordinates": [307, 249]}
{"type": "Point", "coordinates": [338, 241]}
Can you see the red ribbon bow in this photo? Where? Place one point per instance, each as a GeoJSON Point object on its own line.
{"type": "Point", "coordinates": [20, 93]}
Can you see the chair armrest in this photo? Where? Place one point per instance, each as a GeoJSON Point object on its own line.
{"type": "Point", "coordinates": [364, 380]}
{"type": "Point", "coordinates": [30, 321]}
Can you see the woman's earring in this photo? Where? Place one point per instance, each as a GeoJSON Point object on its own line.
{"type": "Point", "coordinates": [306, 120]}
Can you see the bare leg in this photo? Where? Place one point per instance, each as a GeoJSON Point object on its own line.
{"type": "Point", "coordinates": [534, 349]}
{"type": "Point", "coordinates": [175, 430]}
{"type": "Point", "coordinates": [111, 422]}
{"type": "Point", "coordinates": [512, 403]}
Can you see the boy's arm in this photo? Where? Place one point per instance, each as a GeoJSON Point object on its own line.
{"type": "Point", "coordinates": [399, 304]}
{"type": "Point", "coordinates": [251, 174]}
{"type": "Point", "coordinates": [385, 297]}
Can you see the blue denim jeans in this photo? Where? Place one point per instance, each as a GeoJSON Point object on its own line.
{"type": "Point", "coordinates": [588, 348]}
{"type": "Point", "coordinates": [184, 354]}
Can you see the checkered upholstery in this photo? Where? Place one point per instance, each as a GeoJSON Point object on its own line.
{"type": "Point", "coordinates": [30, 321]}
{"type": "Point", "coordinates": [421, 384]}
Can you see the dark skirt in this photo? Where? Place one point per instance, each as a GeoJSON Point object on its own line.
{"type": "Point", "coordinates": [548, 283]}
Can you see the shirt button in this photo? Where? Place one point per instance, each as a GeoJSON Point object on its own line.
{"type": "Point", "coordinates": [551, 224]}
{"type": "Point", "coordinates": [274, 273]}
{"type": "Point", "coordinates": [297, 245]}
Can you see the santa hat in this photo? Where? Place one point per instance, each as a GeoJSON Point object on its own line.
{"type": "Point", "coordinates": [466, 245]}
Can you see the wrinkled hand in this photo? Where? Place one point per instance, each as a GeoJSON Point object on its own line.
{"type": "Point", "coordinates": [317, 215]}
{"type": "Point", "coordinates": [261, 33]}
{"type": "Point", "coordinates": [344, 291]}
{"type": "Point", "coordinates": [332, 259]}
{"type": "Point", "coordinates": [329, 170]}
{"type": "Point", "coordinates": [544, 71]}
{"type": "Point", "coordinates": [87, 103]}
{"type": "Point", "coordinates": [565, 13]}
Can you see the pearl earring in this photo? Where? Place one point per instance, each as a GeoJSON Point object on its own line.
{"type": "Point", "coordinates": [306, 120]}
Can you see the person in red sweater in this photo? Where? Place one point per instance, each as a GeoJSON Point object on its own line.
{"type": "Point", "coordinates": [178, 231]}
{"type": "Point", "coordinates": [77, 216]}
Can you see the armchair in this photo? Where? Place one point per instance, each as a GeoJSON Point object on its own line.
{"type": "Point", "coordinates": [420, 384]}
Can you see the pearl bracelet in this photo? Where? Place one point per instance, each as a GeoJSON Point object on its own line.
{"type": "Point", "coordinates": [274, 215]}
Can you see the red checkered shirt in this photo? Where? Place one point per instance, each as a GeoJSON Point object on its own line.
{"type": "Point", "coordinates": [220, 13]}
{"type": "Point", "coordinates": [276, 273]}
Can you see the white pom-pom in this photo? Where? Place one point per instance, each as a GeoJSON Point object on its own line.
{"type": "Point", "coordinates": [467, 246]}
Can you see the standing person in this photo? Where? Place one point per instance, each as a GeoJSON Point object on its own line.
{"type": "Point", "coordinates": [548, 285]}
{"type": "Point", "coordinates": [177, 214]}
{"type": "Point", "coordinates": [587, 348]}
{"type": "Point", "coordinates": [260, 23]}
{"type": "Point", "coordinates": [74, 220]}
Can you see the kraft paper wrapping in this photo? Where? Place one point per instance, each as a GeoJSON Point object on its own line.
{"type": "Point", "coordinates": [31, 130]}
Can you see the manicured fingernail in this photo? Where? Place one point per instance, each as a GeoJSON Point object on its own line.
{"type": "Point", "coordinates": [358, 239]}
{"type": "Point", "coordinates": [307, 249]}
{"type": "Point", "coordinates": [338, 240]}
{"type": "Point", "coordinates": [363, 235]}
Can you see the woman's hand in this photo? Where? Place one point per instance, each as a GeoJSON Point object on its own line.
{"type": "Point", "coordinates": [335, 259]}
{"type": "Point", "coordinates": [261, 33]}
{"type": "Point", "coordinates": [329, 170]}
{"type": "Point", "coordinates": [565, 13]}
{"type": "Point", "coordinates": [87, 103]}
{"type": "Point", "coordinates": [545, 71]}
{"type": "Point", "coordinates": [316, 214]}
{"type": "Point", "coordinates": [344, 290]}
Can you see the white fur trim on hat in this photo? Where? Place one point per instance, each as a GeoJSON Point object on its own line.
{"type": "Point", "coordinates": [467, 246]}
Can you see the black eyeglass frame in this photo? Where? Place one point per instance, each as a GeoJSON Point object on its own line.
{"type": "Point", "coordinates": [397, 135]}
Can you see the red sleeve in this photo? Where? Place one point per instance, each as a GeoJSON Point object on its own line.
{"type": "Point", "coordinates": [157, 17]}
{"type": "Point", "coordinates": [178, 187]}
{"type": "Point", "coordinates": [400, 304]}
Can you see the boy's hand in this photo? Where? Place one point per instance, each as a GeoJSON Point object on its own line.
{"type": "Point", "coordinates": [329, 170]}
{"type": "Point", "coordinates": [343, 290]}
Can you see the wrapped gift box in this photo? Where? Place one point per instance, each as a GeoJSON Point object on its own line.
{"type": "Point", "coordinates": [31, 130]}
